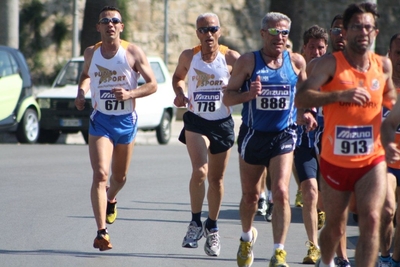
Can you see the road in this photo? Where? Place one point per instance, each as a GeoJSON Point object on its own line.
{"type": "Point", "coordinates": [47, 218]}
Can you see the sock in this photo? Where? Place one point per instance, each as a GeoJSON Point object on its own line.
{"type": "Point", "coordinates": [263, 195]}
{"type": "Point", "coordinates": [211, 224]}
{"type": "Point", "coordinates": [276, 246]}
{"type": "Point", "coordinates": [247, 236]}
{"type": "Point", "coordinates": [321, 264]}
{"type": "Point", "coordinates": [196, 217]}
{"type": "Point", "coordinates": [269, 196]}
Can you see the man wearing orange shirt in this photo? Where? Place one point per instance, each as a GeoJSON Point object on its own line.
{"type": "Point", "coordinates": [354, 85]}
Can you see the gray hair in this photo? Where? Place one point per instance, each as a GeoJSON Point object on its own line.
{"type": "Point", "coordinates": [274, 17]}
{"type": "Point", "coordinates": [205, 15]}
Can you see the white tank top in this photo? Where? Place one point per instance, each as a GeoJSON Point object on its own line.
{"type": "Point", "coordinates": [205, 82]}
{"type": "Point", "coordinates": [106, 74]}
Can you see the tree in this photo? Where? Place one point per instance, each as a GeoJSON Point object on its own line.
{"type": "Point", "coordinates": [89, 35]}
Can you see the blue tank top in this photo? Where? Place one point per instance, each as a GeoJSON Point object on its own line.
{"type": "Point", "coordinates": [273, 110]}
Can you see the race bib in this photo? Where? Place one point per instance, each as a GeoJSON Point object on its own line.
{"type": "Point", "coordinates": [353, 140]}
{"type": "Point", "coordinates": [207, 102]}
{"type": "Point", "coordinates": [109, 103]}
{"type": "Point", "coordinates": [274, 97]}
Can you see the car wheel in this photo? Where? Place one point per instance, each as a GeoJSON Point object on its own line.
{"type": "Point", "coordinates": [85, 135]}
{"type": "Point", "coordinates": [28, 127]}
{"type": "Point", "coordinates": [48, 136]}
{"type": "Point", "coordinates": [163, 131]}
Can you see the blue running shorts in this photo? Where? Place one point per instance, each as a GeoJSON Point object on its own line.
{"type": "Point", "coordinates": [119, 129]}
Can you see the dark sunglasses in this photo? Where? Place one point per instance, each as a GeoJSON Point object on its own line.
{"type": "Point", "coordinates": [212, 29]}
{"type": "Point", "coordinates": [108, 20]}
{"type": "Point", "coordinates": [274, 31]}
{"type": "Point", "coordinates": [336, 31]}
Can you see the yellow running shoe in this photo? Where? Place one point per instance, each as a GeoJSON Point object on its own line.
{"type": "Point", "coordinates": [245, 255]}
{"type": "Point", "coordinates": [321, 219]}
{"type": "Point", "coordinates": [279, 259]}
{"type": "Point", "coordinates": [313, 253]}
{"type": "Point", "coordinates": [299, 199]}
{"type": "Point", "coordinates": [111, 213]}
{"type": "Point", "coordinates": [102, 240]}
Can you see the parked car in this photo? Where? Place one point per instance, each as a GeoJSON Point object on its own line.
{"type": "Point", "coordinates": [59, 114]}
{"type": "Point", "coordinates": [19, 111]}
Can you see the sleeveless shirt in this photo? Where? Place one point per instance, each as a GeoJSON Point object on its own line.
{"type": "Point", "coordinates": [106, 74]}
{"type": "Point", "coordinates": [205, 84]}
{"type": "Point", "coordinates": [385, 112]}
{"type": "Point", "coordinates": [351, 136]}
{"type": "Point", "coordinates": [273, 110]}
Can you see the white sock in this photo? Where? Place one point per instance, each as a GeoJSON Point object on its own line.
{"type": "Point", "coordinates": [247, 236]}
{"type": "Point", "coordinates": [263, 195]}
{"type": "Point", "coordinates": [321, 264]}
{"type": "Point", "coordinates": [276, 246]}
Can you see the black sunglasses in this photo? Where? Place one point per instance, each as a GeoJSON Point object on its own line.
{"type": "Point", "coordinates": [336, 31]}
{"type": "Point", "coordinates": [212, 29]}
{"type": "Point", "coordinates": [108, 20]}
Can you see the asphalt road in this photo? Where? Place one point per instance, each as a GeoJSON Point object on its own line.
{"type": "Point", "coordinates": [46, 216]}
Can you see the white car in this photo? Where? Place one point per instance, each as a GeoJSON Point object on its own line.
{"type": "Point", "coordinates": [59, 114]}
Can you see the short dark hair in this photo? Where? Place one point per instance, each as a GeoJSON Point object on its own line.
{"type": "Point", "coordinates": [337, 17]}
{"type": "Point", "coordinates": [109, 8]}
{"type": "Point", "coordinates": [360, 8]}
{"type": "Point", "coordinates": [394, 37]}
{"type": "Point", "coordinates": [315, 32]}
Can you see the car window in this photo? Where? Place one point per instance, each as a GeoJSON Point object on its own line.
{"type": "Point", "coordinates": [7, 64]}
{"type": "Point", "coordinates": [157, 72]}
{"type": "Point", "coordinates": [70, 74]}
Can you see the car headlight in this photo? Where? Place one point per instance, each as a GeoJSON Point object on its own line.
{"type": "Point", "coordinates": [44, 102]}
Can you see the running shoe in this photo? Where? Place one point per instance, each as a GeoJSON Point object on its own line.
{"type": "Point", "coordinates": [212, 247]}
{"type": "Point", "coordinates": [299, 199]}
{"type": "Point", "coordinates": [111, 213]}
{"type": "Point", "coordinates": [341, 262]}
{"type": "Point", "coordinates": [321, 219]}
{"type": "Point", "coordinates": [268, 215]}
{"type": "Point", "coordinates": [279, 259]}
{"type": "Point", "coordinates": [245, 256]}
{"type": "Point", "coordinates": [193, 234]}
{"type": "Point", "coordinates": [102, 240]}
{"type": "Point", "coordinates": [262, 207]}
{"type": "Point", "coordinates": [384, 261]}
{"type": "Point", "coordinates": [313, 253]}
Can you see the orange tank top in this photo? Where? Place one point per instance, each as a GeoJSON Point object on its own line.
{"type": "Point", "coordinates": [351, 136]}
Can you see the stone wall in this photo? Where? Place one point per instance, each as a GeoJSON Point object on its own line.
{"type": "Point", "coordinates": [240, 21]}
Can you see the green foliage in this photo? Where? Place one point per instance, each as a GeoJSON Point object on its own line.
{"type": "Point", "coordinates": [60, 32]}
{"type": "Point", "coordinates": [123, 7]}
{"type": "Point", "coordinates": [33, 44]}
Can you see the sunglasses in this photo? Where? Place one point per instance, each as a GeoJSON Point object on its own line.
{"type": "Point", "coordinates": [336, 31]}
{"type": "Point", "coordinates": [212, 29]}
{"type": "Point", "coordinates": [275, 31]}
{"type": "Point", "coordinates": [108, 20]}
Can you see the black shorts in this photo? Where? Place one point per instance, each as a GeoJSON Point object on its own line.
{"type": "Point", "coordinates": [306, 162]}
{"type": "Point", "coordinates": [256, 147]}
{"type": "Point", "coordinates": [220, 132]}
